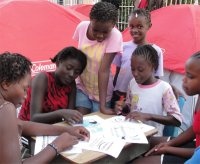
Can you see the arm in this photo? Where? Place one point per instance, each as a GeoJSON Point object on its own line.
{"type": "Point", "coordinates": [116, 75]}
{"type": "Point", "coordinates": [169, 147]}
{"type": "Point", "coordinates": [9, 141]}
{"type": "Point", "coordinates": [72, 97]}
{"type": "Point", "coordinates": [103, 75]}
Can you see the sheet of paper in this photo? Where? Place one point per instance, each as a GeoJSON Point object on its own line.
{"type": "Point", "coordinates": [93, 124]}
{"type": "Point", "coordinates": [111, 146]}
{"type": "Point", "coordinates": [131, 132]}
{"type": "Point", "coordinates": [42, 141]}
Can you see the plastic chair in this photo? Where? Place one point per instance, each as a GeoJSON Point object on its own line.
{"type": "Point", "coordinates": [173, 130]}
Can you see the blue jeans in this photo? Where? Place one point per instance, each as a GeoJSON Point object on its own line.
{"type": "Point", "coordinates": [83, 100]}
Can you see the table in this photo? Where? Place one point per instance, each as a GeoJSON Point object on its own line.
{"type": "Point", "coordinates": [88, 156]}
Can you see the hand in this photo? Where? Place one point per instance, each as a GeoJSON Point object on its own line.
{"type": "Point", "coordinates": [158, 149]}
{"type": "Point", "coordinates": [138, 116]}
{"type": "Point", "coordinates": [71, 116]}
{"type": "Point", "coordinates": [80, 132]}
{"type": "Point", "coordinates": [65, 141]}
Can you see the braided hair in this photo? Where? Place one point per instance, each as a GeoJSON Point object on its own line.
{"type": "Point", "coordinates": [142, 12]}
{"type": "Point", "coordinates": [104, 12]}
{"type": "Point", "coordinates": [71, 53]}
{"type": "Point", "coordinates": [13, 67]}
{"type": "Point", "coordinates": [196, 55]}
{"type": "Point", "coordinates": [149, 53]}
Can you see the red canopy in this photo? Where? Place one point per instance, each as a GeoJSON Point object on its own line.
{"type": "Point", "coordinates": [176, 29]}
{"type": "Point", "coordinates": [37, 29]}
{"type": "Point", "coordinates": [82, 8]}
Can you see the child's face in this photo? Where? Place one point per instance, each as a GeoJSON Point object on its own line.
{"type": "Point", "coordinates": [99, 30]}
{"type": "Point", "coordinates": [191, 78]}
{"type": "Point", "coordinates": [138, 28]}
{"type": "Point", "coordinates": [17, 92]}
{"type": "Point", "coordinates": [68, 70]}
{"type": "Point", "coordinates": [142, 70]}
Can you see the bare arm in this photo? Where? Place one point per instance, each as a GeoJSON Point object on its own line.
{"type": "Point", "coordinates": [72, 97]}
{"type": "Point", "coordinates": [103, 75]}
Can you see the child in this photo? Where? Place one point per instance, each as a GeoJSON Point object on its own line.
{"type": "Point", "coordinates": [51, 97]}
{"type": "Point", "coordinates": [139, 24]}
{"type": "Point", "coordinates": [100, 40]}
{"type": "Point", "coordinates": [150, 99]}
{"type": "Point", "coordinates": [15, 77]}
{"type": "Point", "coordinates": [179, 149]}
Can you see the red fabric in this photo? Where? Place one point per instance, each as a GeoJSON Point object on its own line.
{"type": "Point", "coordinates": [143, 4]}
{"type": "Point", "coordinates": [55, 98]}
{"type": "Point", "coordinates": [82, 8]}
{"type": "Point", "coordinates": [37, 29]}
{"type": "Point", "coordinates": [176, 30]}
{"type": "Point", "coordinates": [196, 127]}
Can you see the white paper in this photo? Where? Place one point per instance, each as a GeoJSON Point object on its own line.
{"type": "Point", "coordinates": [118, 127]}
{"type": "Point", "coordinates": [111, 146]}
{"type": "Point", "coordinates": [42, 141]}
{"type": "Point", "coordinates": [93, 124]}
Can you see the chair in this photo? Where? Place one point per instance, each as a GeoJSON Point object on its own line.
{"type": "Point", "coordinates": [173, 130]}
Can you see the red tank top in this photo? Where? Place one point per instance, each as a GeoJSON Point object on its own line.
{"type": "Point", "coordinates": [196, 127]}
{"type": "Point", "coordinates": [55, 98]}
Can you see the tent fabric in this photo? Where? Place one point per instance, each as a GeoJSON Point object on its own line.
{"type": "Point", "coordinates": [176, 29]}
{"type": "Point", "coordinates": [37, 29]}
{"type": "Point", "coordinates": [82, 8]}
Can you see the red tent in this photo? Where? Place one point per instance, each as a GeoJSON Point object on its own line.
{"type": "Point", "coordinates": [176, 29]}
{"type": "Point", "coordinates": [37, 29]}
{"type": "Point", "coordinates": [82, 8]}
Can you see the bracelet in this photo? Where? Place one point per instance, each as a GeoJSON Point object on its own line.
{"type": "Point", "coordinates": [54, 147]}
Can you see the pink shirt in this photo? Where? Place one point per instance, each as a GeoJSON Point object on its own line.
{"type": "Point", "coordinates": [88, 81]}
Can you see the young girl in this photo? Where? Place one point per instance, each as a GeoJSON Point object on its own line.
{"type": "Point", "coordinates": [15, 77]}
{"type": "Point", "coordinates": [100, 40]}
{"type": "Point", "coordinates": [151, 100]}
{"type": "Point", "coordinates": [179, 149]}
{"type": "Point", "coordinates": [139, 24]}
{"type": "Point", "coordinates": [51, 97]}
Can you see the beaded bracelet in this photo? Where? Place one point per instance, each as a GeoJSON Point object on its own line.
{"type": "Point", "coordinates": [55, 148]}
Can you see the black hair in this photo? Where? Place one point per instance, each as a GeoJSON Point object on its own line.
{"type": "Point", "coordinates": [149, 53]}
{"type": "Point", "coordinates": [142, 12]}
{"type": "Point", "coordinates": [13, 67]}
{"type": "Point", "coordinates": [117, 3]}
{"type": "Point", "coordinates": [104, 12]}
{"type": "Point", "coordinates": [71, 53]}
{"type": "Point", "coordinates": [196, 55]}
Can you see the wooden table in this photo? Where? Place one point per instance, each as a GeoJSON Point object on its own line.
{"type": "Point", "coordinates": [129, 152]}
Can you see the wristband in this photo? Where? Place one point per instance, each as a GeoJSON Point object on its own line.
{"type": "Point", "coordinates": [54, 147]}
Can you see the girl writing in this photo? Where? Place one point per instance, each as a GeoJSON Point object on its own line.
{"type": "Point", "coordinates": [150, 99]}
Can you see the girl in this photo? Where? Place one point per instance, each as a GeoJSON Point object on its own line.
{"type": "Point", "coordinates": [15, 77]}
{"type": "Point", "coordinates": [51, 97]}
{"type": "Point", "coordinates": [151, 100]}
{"type": "Point", "coordinates": [100, 40]}
{"type": "Point", "coordinates": [139, 24]}
{"type": "Point", "coordinates": [179, 149]}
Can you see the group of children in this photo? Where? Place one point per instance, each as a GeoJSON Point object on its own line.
{"type": "Point", "coordinates": [53, 96]}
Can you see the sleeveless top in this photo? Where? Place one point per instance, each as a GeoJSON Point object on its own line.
{"type": "Point", "coordinates": [196, 127]}
{"type": "Point", "coordinates": [56, 97]}
{"type": "Point", "coordinates": [19, 137]}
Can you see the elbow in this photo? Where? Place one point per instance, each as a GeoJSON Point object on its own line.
{"type": "Point", "coordinates": [177, 122]}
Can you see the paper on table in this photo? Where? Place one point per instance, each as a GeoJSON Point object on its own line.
{"type": "Point", "coordinates": [93, 124]}
{"type": "Point", "coordinates": [42, 141]}
{"type": "Point", "coordinates": [111, 146]}
{"type": "Point", "coordinates": [119, 128]}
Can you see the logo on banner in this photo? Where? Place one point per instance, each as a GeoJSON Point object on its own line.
{"type": "Point", "coordinates": [42, 66]}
